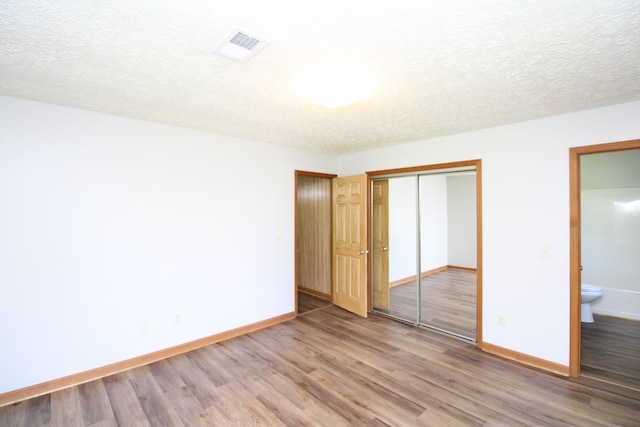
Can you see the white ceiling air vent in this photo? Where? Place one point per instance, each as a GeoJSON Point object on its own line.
{"type": "Point", "coordinates": [240, 45]}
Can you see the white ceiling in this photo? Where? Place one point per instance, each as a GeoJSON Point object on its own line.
{"type": "Point", "coordinates": [441, 67]}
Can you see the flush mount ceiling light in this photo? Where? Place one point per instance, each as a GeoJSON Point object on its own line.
{"type": "Point", "coordinates": [240, 45]}
{"type": "Point", "coordinates": [336, 84]}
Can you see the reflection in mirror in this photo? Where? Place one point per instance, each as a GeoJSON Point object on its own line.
{"type": "Point", "coordinates": [394, 247]}
{"type": "Point", "coordinates": [424, 226]}
{"type": "Point", "coordinates": [448, 252]}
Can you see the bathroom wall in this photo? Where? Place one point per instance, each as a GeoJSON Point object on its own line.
{"type": "Point", "coordinates": [610, 214]}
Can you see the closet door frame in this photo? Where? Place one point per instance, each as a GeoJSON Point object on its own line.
{"type": "Point", "coordinates": [477, 163]}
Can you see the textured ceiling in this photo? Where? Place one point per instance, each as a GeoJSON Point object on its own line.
{"type": "Point", "coordinates": [441, 67]}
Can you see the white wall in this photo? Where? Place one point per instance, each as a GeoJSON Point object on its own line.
{"type": "Point", "coordinates": [402, 225]}
{"type": "Point", "coordinates": [433, 222]}
{"type": "Point", "coordinates": [447, 223]}
{"type": "Point", "coordinates": [107, 223]}
{"type": "Point", "coordinates": [402, 228]}
{"type": "Point", "coordinates": [461, 227]}
{"type": "Point", "coordinates": [610, 213]}
{"type": "Point", "coordinates": [109, 226]}
{"type": "Point", "coordinates": [525, 184]}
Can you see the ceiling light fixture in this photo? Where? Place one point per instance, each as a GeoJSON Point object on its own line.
{"type": "Point", "coordinates": [336, 84]}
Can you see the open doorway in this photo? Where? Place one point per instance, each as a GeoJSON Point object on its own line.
{"type": "Point", "coordinates": [313, 240]}
{"type": "Point", "coordinates": [606, 350]}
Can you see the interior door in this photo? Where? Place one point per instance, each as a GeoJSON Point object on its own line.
{"type": "Point", "coordinates": [380, 243]}
{"type": "Point", "coordinates": [350, 243]}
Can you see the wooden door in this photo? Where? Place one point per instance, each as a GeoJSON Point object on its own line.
{"type": "Point", "coordinates": [380, 243]}
{"type": "Point", "coordinates": [350, 243]}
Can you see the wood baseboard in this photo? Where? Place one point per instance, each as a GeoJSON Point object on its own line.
{"type": "Point", "coordinates": [413, 278]}
{"type": "Point", "coordinates": [525, 359]}
{"type": "Point", "coordinates": [103, 371]}
{"type": "Point", "coordinates": [455, 267]}
{"type": "Point", "coordinates": [428, 273]}
{"type": "Point", "coordinates": [315, 293]}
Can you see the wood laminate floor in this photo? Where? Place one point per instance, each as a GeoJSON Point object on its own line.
{"type": "Point", "coordinates": [611, 351]}
{"type": "Point", "coordinates": [332, 368]}
{"type": "Point", "coordinates": [610, 345]}
{"type": "Point", "coordinates": [308, 303]}
{"type": "Point", "coordinates": [449, 300]}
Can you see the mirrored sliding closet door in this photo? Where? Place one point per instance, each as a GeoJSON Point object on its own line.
{"type": "Point", "coordinates": [424, 240]}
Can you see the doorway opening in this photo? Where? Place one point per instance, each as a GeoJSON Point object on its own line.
{"type": "Point", "coordinates": [425, 237]}
{"type": "Point", "coordinates": [313, 240]}
{"type": "Point", "coordinates": [620, 370]}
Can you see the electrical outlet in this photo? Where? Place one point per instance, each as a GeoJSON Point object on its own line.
{"type": "Point", "coordinates": [178, 319]}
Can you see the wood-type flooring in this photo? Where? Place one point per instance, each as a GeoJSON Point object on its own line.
{"type": "Point", "coordinates": [308, 303]}
{"type": "Point", "coordinates": [329, 367]}
{"type": "Point", "coordinates": [448, 301]}
{"type": "Point", "coordinates": [611, 351]}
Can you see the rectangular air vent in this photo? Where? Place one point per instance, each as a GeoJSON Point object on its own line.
{"type": "Point", "coordinates": [240, 45]}
{"type": "Point", "coordinates": [243, 40]}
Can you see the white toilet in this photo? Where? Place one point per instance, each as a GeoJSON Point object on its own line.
{"type": "Point", "coordinates": [589, 294]}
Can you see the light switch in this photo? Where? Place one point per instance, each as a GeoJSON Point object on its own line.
{"type": "Point", "coordinates": [544, 251]}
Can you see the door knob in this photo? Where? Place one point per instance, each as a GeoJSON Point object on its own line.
{"type": "Point", "coordinates": [384, 249]}
{"type": "Point", "coordinates": [362, 252]}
